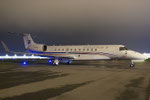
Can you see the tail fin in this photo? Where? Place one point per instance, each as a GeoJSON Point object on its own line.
{"type": "Point", "coordinates": [27, 40]}
{"type": "Point", "coordinates": [5, 47]}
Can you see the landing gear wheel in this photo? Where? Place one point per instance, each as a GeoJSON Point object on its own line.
{"type": "Point", "coordinates": [56, 62]}
{"type": "Point", "coordinates": [132, 65]}
{"type": "Point", "coordinates": [69, 62]}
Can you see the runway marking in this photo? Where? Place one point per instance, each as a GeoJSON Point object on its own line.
{"type": "Point", "coordinates": [47, 93]}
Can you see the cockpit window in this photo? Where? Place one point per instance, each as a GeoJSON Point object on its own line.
{"type": "Point", "coordinates": [123, 48]}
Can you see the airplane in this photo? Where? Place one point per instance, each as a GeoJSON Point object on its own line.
{"type": "Point", "coordinates": [69, 53]}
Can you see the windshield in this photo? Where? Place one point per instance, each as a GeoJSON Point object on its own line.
{"type": "Point", "coordinates": [123, 48]}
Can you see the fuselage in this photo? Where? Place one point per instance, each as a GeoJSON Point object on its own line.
{"type": "Point", "coordinates": [87, 52]}
{"type": "Point", "coordinates": [82, 52]}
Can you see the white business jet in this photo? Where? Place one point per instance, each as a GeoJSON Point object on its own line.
{"type": "Point", "coordinates": [69, 53]}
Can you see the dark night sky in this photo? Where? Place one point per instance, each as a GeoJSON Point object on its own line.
{"type": "Point", "coordinates": [65, 22]}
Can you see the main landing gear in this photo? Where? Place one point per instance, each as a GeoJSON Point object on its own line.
{"type": "Point", "coordinates": [69, 62]}
{"type": "Point", "coordinates": [56, 62]}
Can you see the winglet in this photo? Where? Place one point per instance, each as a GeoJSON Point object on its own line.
{"type": "Point", "coordinates": [5, 47]}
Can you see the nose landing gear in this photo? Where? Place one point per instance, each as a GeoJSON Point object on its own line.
{"type": "Point", "coordinates": [132, 65]}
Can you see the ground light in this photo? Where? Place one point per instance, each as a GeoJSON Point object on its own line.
{"type": "Point", "coordinates": [24, 63]}
{"type": "Point", "coordinates": [50, 61]}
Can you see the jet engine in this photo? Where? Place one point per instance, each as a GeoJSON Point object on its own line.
{"type": "Point", "coordinates": [38, 47]}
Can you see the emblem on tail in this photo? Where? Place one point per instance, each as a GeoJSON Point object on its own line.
{"type": "Point", "coordinates": [27, 40]}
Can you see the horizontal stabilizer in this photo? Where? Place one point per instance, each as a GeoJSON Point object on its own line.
{"type": "Point", "coordinates": [5, 47]}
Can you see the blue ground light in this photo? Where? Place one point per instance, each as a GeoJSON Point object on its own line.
{"type": "Point", "coordinates": [24, 63]}
{"type": "Point", "coordinates": [50, 61]}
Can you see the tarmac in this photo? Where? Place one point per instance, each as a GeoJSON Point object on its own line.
{"type": "Point", "coordinates": [105, 80]}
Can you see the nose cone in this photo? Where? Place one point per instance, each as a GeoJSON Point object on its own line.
{"type": "Point", "coordinates": [135, 55]}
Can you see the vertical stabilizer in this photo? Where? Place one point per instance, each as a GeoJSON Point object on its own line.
{"type": "Point", "coordinates": [28, 41]}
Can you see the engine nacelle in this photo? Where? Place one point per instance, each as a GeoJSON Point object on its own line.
{"type": "Point", "coordinates": [38, 47]}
